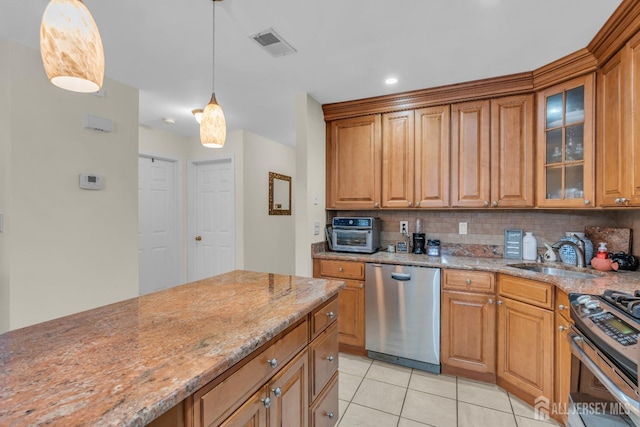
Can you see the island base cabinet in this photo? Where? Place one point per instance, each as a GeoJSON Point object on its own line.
{"type": "Point", "coordinates": [324, 412]}
{"type": "Point", "coordinates": [289, 393]}
{"type": "Point", "coordinates": [525, 350]}
{"type": "Point", "coordinates": [468, 335]}
{"type": "Point", "coordinates": [252, 414]}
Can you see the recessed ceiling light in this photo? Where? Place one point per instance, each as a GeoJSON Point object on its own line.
{"type": "Point", "coordinates": [391, 81]}
{"type": "Point", "coordinates": [169, 121]}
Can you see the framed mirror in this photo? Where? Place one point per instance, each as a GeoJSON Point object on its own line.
{"type": "Point", "coordinates": [279, 194]}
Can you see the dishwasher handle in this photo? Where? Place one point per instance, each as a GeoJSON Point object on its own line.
{"type": "Point", "coordinates": [403, 277]}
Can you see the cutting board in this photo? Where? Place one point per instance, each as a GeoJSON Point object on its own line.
{"type": "Point", "coordinates": [617, 239]}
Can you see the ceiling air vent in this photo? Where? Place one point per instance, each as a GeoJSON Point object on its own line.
{"type": "Point", "coordinates": [272, 42]}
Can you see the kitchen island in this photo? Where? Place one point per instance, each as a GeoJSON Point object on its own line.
{"type": "Point", "coordinates": [127, 363]}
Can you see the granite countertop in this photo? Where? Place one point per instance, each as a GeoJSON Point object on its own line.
{"type": "Point", "coordinates": [626, 281]}
{"type": "Point", "coordinates": [126, 363]}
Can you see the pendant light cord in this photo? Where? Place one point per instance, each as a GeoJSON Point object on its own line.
{"type": "Point", "coordinates": [213, 56]}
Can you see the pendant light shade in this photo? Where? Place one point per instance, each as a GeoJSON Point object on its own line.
{"type": "Point", "coordinates": [71, 47]}
{"type": "Point", "coordinates": [213, 126]}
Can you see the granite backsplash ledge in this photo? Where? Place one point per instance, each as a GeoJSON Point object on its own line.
{"type": "Point", "coordinates": [485, 229]}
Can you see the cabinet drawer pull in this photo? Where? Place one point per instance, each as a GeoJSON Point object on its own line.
{"type": "Point", "coordinates": [587, 201]}
{"type": "Point", "coordinates": [277, 391]}
{"type": "Point", "coordinates": [486, 203]}
{"type": "Point", "coordinates": [340, 269]}
{"type": "Point", "coordinates": [561, 307]}
{"type": "Point", "coordinates": [361, 285]}
{"type": "Point", "coordinates": [330, 359]}
{"type": "Point", "coordinates": [490, 301]}
{"type": "Point", "coordinates": [331, 315]}
{"type": "Point", "coordinates": [495, 204]}
{"type": "Point", "coordinates": [499, 302]}
{"type": "Point", "coordinates": [562, 328]}
{"type": "Point", "coordinates": [266, 401]}
{"type": "Point", "coordinates": [468, 281]}
{"type": "Point", "coordinates": [273, 362]}
{"type": "Point", "coordinates": [376, 205]}
{"type": "Point", "coordinates": [331, 415]}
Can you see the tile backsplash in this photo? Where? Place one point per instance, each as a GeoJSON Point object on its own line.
{"type": "Point", "coordinates": [486, 228]}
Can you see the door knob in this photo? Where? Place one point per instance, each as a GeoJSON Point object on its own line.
{"type": "Point", "coordinates": [198, 238]}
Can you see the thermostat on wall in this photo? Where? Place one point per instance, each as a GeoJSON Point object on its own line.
{"type": "Point", "coordinates": [91, 181]}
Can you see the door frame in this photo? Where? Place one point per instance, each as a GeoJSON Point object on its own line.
{"type": "Point", "coordinates": [179, 207]}
{"type": "Point", "coordinates": [192, 165]}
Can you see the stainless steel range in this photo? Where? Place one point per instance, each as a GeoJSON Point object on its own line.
{"type": "Point", "coordinates": [605, 340]}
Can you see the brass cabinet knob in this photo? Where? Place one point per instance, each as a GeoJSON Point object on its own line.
{"type": "Point", "coordinates": [198, 238]}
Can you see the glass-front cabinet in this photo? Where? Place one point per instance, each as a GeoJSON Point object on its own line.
{"type": "Point", "coordinates": [565, 144]}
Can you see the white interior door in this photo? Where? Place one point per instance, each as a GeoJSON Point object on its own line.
{"type": "Point", "coordinates": [157, 225]}
{"type": "Point", "coordinates": [213, 244]}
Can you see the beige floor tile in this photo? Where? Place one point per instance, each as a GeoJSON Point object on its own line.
{"type": "Point", "coordinates": [347, 386]}
{"type": "Point", "coordinates": [426, 382]}
{"type": "Point", "coordinates": [474, 416]}
{"type": "Point", "coordinates": [528, 422]}
{"type": "Point", "coordinates": [357, 415]}
{"type": "Point", "coordinates": [410, 423]}
{"type": "Point", "coordinates": [483, 394]}
{"type": "Point", "coordinates": [389, 373]}
{"type": "Point", "coordinates": [429, 409]}
{"type": "Point", "coordinates": [354, 365]}
{"type": "Point", "coordinates": [381, 396]}
{"type": "Point", "coordinates": [342, 407]}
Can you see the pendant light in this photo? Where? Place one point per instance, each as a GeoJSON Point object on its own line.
{"type": "Point", "coordinates": [213, 127]}
{"type": "Point", "coordinates": [71, 47]}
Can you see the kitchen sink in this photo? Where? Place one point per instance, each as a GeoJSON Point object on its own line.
{"type": "Point", "coordinates": [557, 271]}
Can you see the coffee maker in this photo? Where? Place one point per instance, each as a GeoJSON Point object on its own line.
{"type": "Point", "coordinates": [419, 239]}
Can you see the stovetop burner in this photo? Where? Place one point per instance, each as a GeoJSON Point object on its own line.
{"type": "Point", "coordinates": [626, 302]}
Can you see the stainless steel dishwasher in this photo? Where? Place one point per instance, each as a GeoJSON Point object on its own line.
{"type": "Point", "coordinates": [402, 305]}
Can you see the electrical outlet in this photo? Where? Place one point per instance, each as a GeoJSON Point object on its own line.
{"type": "Point", "coordinates": [404, 227]}
{"type": "Point", "coordinates": [462, 228]}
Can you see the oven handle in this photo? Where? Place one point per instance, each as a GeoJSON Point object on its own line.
{"type": "Point", "coordinates": [628, 402]}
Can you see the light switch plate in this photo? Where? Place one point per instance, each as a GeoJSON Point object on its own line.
{"type": "Point", "coordinates": [462, 228]}
{"type": "Point", "coordinates": [1, 221]}
{"type": "Point", "coordinates": [316, 228]}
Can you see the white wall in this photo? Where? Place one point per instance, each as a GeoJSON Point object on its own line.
{"type": "Point", "coordinates": [269, 240]}
{"type": "Point", "coordinates": [77, 249]}
{"type": "Point", "coordinates": [310, 185]}
{"type": "Point", "coordinates": [5, 165]}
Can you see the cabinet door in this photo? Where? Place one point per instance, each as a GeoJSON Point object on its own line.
{"type": "Point", "coordinates": [289, 393]}
{"type": "Point", "coordinates": [470, 151]}
{"type": "Point", "coordinates": [612, 156]}
{"type": "Point", "coordinates": [565, 154]}
{"type": "Point", "coordinates": [468, 331]}
{"type": "Point", "coordinates": [397, 159]}
{"type": "Point", "coordinates": [562, 364]}
{"type": "Point", "coordinates": [512, 160]}
{"type": "Point", "coordinates": [253, 413]}
{"type": "Point", "coordinates": [525, 348]}
{"type": "Point", "coordinates": [354, 163]}
{"type": "Point", "coordinates": [351, 320]}
{"type": "Point", "coordinates": [432, 157]}
{"type": "Point", "coordinates": [633, 157]}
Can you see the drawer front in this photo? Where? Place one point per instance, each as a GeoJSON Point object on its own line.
{"type": "Point", "coordinates": [324, 316]}
{"type": "Point", "coordinates": [468, 280]}
{"type": "Point", "coordinates": [528, 291]}
{"type": "Point", "coordinates": [324, 359]}
{"type": "Point", "coordinates": [213, 406]}
{"type": "Point", "coordinates": [342, 269]}
{"type": "Point", "coordinates": [562, 304]}
{"type": "Point", "coordinates": [324, 412]}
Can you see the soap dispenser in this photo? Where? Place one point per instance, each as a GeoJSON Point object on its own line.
{"type": "Point", "coordinates": [603, 252]}
{"type": "Point", "coordinates": [529, 247]}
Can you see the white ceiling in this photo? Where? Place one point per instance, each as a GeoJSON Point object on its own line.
{"type": "Point", "coordinates": [346, 48]}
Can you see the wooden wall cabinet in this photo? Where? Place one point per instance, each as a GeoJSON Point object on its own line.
{"type": "Point", "coordinates": [492, 153]}
{"type": "Point", "coordinates": [351, 323]}
{"type": "Point", "coordinates": [618, 141]}
{"type": "Point", "coordinates": [415, 158]}
{"type": "Point", "coordinates": [354, 163]}
{"type": "Point", "coordinates": [565, 149]}
{"type": "Point", "coordinates": [468, 324]}
{"type": "Point", "coordinates": [525, 350]}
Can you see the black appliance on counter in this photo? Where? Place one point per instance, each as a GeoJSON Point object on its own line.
{"type": "Point", "coordinates": [419, 241]}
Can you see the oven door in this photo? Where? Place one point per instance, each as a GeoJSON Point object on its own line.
{"type": "Point", "coordinates": [614, 404]}
{"type": "Point", "coordinates": [350, 240]}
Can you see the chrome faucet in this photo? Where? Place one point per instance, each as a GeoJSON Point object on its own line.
{"type": "Point", "coordinates": [578, 247]}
